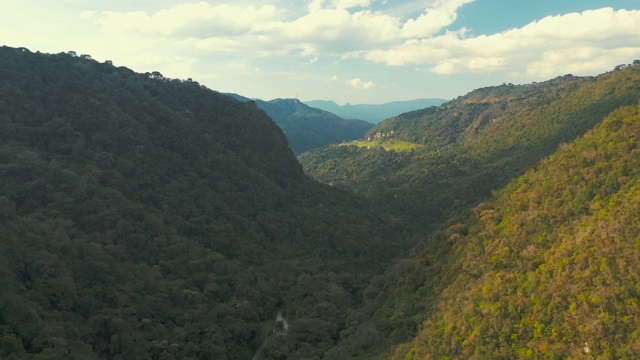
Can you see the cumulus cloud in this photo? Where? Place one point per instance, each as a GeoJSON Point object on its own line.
{"type": "Point", "coordinates": [582, 42]}
{"type": "Point", "coordinates": [333, 31]}
{"type": "Point", "coordinates": [315, 5]}
{"type": "Point", "coordinates": [330, 27]}
{"type": "Point", "coordinates": [354, 30]}
{"type": "Point", "coordinates": [357, 83]}
{"type": "Point", "coordinates": [437, 16]}
{"type": "Point", "coordinates": [86, 14]}
{"type": "Point", "coordinates": [189, 20]}
{"type": "Point", "coordinates": [348, 4]}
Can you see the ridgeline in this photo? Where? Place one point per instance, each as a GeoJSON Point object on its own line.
{"type": "Point", "coordinates": [143, 218]}
{"type": "Point", "coordinates": [470, 146]}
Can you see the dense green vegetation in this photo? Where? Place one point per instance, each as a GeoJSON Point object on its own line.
{"type": "Point", "coordinates": [150, 218]}
{"type": "Point", "coordinates": [446, 291]}
{"type": "Point", "coordinates": [471, 145]}
{"type": "Point", "coordinates": [549, 268]}
{"type": "Point", "coordinates": [387, 144]}
{"type": "Point", "coordinates": [309, 128]}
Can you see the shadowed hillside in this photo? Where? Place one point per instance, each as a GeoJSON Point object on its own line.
{"type": "Point", "coordinates": [145, 218]}
{"type": "Point", "coordinates": [151, 218]}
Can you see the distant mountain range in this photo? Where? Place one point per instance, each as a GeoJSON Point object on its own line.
{"type": "Point", "coordinates": [374, 113]}
{"type": "Point", "coordinates": [307, 127]}
{"type": "Point", "coordinates": [546, 266]}
{"type": "Point", "coordinates": [468, 144]}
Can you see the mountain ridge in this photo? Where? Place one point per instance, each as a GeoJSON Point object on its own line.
{"type": "Point", "coordinates": [459, 294]}
{"type": "Point", "coordinates": [475, 143]}
{"type": "Point", "coordinates": [374, 113]}
{"type": "Point", "coordinates": [546, 268]}
{"type": "Point", "coordinates": [307, 127]}
{"type": "Point", "coordinates": [145, 217]}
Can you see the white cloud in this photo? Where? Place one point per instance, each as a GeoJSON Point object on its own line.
{"type": "Point", "coordinates": [333, 31]}
{"type": "Point", "coordinates": [330, 27]}
{"type": "Point", "coordinates": [587, 41]}
{"type": "Point", "coordinates": [315, 5]}
{"type": "Point", "coordinates": [348, 4]}
{"type": "Point", "coordinates": [86, 14]}
{"type": "Point", "coordinates": [202, 39]}
{"type": "Point", "coordinates": [189, 20]}
{"type": "Point", "coordinates": [441, 14]}
{"type": "Point", "coordinates": [579, 60]}
{"type": "Point", "coordinates": [357, 83]}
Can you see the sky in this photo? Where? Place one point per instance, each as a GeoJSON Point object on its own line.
{"type": "Point", "coordinates": [348, 51]}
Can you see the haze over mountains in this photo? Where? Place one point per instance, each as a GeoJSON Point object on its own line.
{"type": "Point", "coordinates": [471, 145]}
{"type": "Point", "coordinates": [306, 127]}
{"type": "Point", "coordinates": [151, 218]}
{"type": "Point", "coordinates": [374, 113]}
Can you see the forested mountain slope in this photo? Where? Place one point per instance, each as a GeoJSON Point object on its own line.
{"type": "Point", "coordinates": [549, 268]}
{"type": "Point", "coordinates": [148, 218]}
{"type": "Point", "coordinates": [452, 156]}
{"type": "Point", "coordinates": [308, 128]}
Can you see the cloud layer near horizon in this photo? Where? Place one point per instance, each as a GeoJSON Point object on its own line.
{"type": "Point", "coordinates": [421, 35]}
{"type": "Point", "coordinates": [349, 29]}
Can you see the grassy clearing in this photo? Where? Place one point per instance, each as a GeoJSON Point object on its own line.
{"type": "Point", "coordinates": [387, 144]}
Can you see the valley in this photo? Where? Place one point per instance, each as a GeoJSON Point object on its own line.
{"type": "Point", "coordinates": [144, 217]}
{"type": "Point", "coordinates": [306, 127]}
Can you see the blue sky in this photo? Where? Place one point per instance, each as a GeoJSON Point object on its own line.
{"type": "Point", "coordinates": [356, 51]}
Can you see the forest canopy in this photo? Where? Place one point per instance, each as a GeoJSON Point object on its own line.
{"type": "Point", "coordinates": [143, 217]}
{"type": "Point", "coordinates": [146, 217]}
